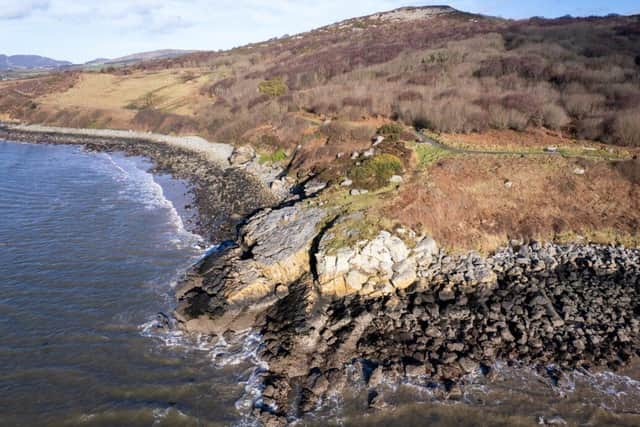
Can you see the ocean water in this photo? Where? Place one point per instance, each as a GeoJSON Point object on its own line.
{"type": "Point", "coordinates": [90, 248]}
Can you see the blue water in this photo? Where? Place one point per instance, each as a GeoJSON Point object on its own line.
{"type": "Point", "coordinates": [90, 248]}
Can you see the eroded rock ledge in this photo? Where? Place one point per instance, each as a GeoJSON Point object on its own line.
{"type": "Point", "coordinates": [396, 306]}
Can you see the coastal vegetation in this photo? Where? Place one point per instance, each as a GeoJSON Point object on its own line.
{"type": "Point", "coordinates": [375, 172]}
{"type": "Point", "coordinates": [354, 101]}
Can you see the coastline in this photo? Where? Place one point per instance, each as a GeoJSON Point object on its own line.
{"type": "Point", "coordinates": [224, 195]}
{"type": "Point", "coordinates": [212, 151]}
{"type": "Point", "coordinates": [387, 311]}
{"type": "Point", "coordinates": [439, 316]}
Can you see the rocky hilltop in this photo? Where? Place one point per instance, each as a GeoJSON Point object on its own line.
{"type": "Point", "coordinates": [397, 306]}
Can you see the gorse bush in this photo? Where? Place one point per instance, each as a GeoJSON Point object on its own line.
{"type": "Point", "coordinates": [375, 172]}
{"type": "Point", "coordinates": [276, 157]}
{"type": "Point", "coordinates": [274, 87]}
{"type": "Point", "coordinates": [391, 131]}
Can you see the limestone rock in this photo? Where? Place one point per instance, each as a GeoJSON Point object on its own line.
{"type": "Point", "coordinates": [280, 241]}
{"type": "Point", "coordinates": [396, 179]}
{"type": "Point", "coordinates": [405, 273]}
{"type": "Point", "coordinates": [281, 187]}
{"type": "Point", "coordinates": [314, 186]}
{"type": "Point", "coordinates": [242, 155]}
{"type": "Point", "coordinates": [356, 279]}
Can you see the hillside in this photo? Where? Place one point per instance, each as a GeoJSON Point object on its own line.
{"type": "Point", "coordinates": [29, 62]}
{"type": "Point", "coordinates": [472, 82]}
{"type": "Point", "coordinates": [139, 57]}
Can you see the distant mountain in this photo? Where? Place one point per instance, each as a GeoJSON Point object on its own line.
{"type": "Point", "coordinates": [97, 61]}
{"type": "Point", "coordinates": [140, 57]}
{"type": "Point", "coordinates": [29, 62]}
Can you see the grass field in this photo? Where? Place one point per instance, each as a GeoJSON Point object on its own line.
{"type": "Point", "coordinates": [168, 91]}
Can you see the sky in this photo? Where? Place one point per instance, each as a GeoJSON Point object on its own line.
{"type": "Point", "coordinates": [82, 30]}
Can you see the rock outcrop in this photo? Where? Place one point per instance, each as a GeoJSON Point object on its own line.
{"type": "Point", "coordinates": [229, 290]}
{"type": "Point", "coordinates": [373, 268]}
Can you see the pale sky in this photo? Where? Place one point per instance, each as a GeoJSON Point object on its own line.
{"type": "Point", "coordinates": [80, 31]}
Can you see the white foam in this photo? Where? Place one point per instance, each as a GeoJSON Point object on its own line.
{"type": "Point", "coordinates": [244, 349]}
{"type": "Point", "coordinates": [140, 186]}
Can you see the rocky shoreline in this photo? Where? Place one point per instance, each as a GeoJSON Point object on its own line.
{"type": "Point", "coordinates": [398, 307]}
{"type": "Point", "coordinates": [387, 308]}
{"type": "Point", "coordinates": [224, 195]}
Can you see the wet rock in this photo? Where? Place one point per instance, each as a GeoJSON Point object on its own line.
{"type": "Point", "coordinates": [534, 303]}
{"type": "Point", "coordinates": [446, 294]}
{"type": "Point", "coordinates": [468, 365]}
{"type": "Point", "coordinates": [375, 399]}
{"type": "Point", "coordinates": [414, 370]}
{"type": "Point", "coordinates": [376, 378]}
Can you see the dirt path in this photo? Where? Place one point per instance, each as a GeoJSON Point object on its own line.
{"type": "Point", "coordinates": [423, 139]}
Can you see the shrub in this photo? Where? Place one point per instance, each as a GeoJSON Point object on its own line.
{"type": "Point", "coordinates": [410, 95]}
{"type": "Point", "coordinates": [626, 128]}
{"type": "Point", "coordinates": [219, 88]}
{"type": "Point", "coordinates": [161, 122]}
{"type": "Point", "coordinates": [351, 101]}
{"type": "Point", "coordinates": [275, 157]}
{"type": "Point", "coordinates": [375, 172]}
{"type": "Point", "coordinates": [147, 101]}
{"type": "Point", "coordinates": [260, 99]}
{"type": "Point", "coordinates": [446, 115]}
{"type": "Point", "coordinates": [391, 131]}
{"type": "Point", "coordinates": [590, 128]}
{"type": "Point", "coordinates": [580, 105]}
{"type": "Point", "coordinates": [274, 87]}
{"type": "Point", "coordinates": [554, 117]}
{"type": "Point", "coordinates": [504, 118]}
{"type": "Point", "coordinates": [337, 130]}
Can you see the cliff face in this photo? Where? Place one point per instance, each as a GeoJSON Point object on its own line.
{"type": "Point", "coordinates": [400, 307]}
